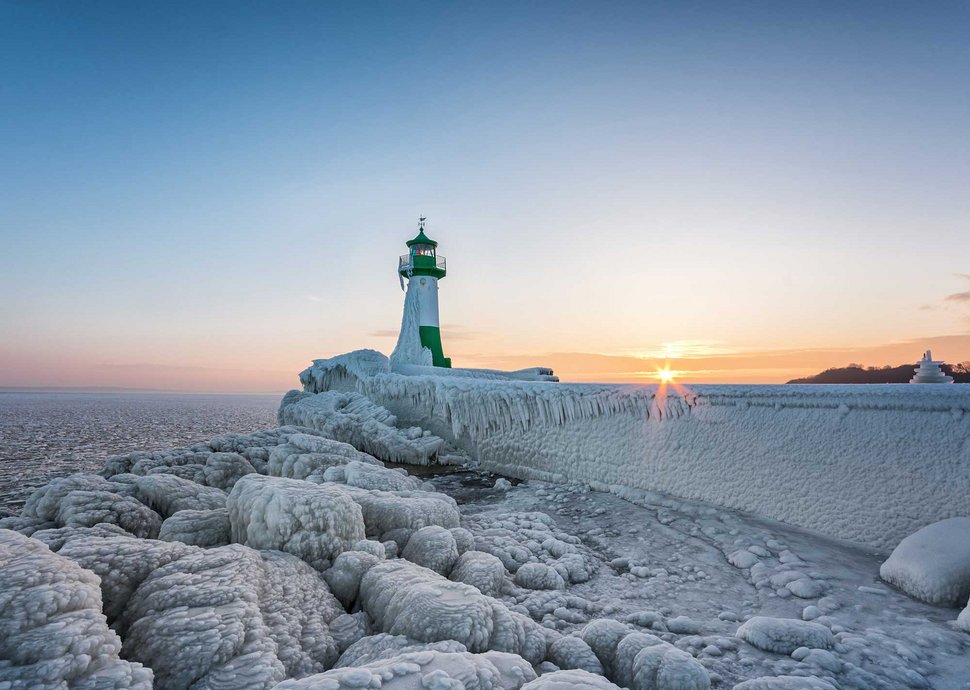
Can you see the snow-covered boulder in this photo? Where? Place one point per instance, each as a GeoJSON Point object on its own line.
{"type": "Point", "coordinates": [56, 538]}
{"type": "Point", "coordinates": [345, 574]}
{"type": "Point", "coordinates": [570, 680]}
{"type": "Point", "coordinates": [933, 564]}
{"type": "Point", "coordinates": [223, 470]}
{"type": "Point", "coordinates": [464, 540]}
{"type": "Point", "coordinates": [312, 521]}
{"type": "Point", "coordinates": [539, 576]}
{"type": "Point", "coordinates": [785, 635]}
{"type": "Point", "coordinates": [482, 571]}
{"type": "Point", "coordinates": [353, 418]}
{"type": "Point", "coordinates": [52, 631]}
{"type": "Point", "coordinates": [89, 508]}
{"type": "Point", "coordinates": [434, 548]}
{"type": "Point", "coordinates": [168, 494]}
{"type": "Point", "coordinates": [197, 527]}
{"type": "Point", "coordinates": [431, 670]}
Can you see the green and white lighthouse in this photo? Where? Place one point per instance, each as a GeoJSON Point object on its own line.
{"type": "Point", "coordinates": [423, 268]}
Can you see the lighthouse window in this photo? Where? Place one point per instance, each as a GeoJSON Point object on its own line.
{"type": "Point", "coordinates": [423, 250]}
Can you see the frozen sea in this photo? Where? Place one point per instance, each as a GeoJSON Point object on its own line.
{"type": "Point", "coordinates": [45, 435]}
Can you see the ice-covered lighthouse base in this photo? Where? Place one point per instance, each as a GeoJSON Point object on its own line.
{"type": "Point", "coordinates": [870, 464]}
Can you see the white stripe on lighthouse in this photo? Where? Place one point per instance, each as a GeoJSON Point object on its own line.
{"type": "Point", "coordinates": [427, 299]}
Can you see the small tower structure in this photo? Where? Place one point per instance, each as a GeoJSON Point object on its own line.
{"type": "Point", "coordinates": [928, 371]}
{"type": "Point", "coordinates": [423, 268]}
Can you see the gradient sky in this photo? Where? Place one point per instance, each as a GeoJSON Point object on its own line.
{"type": "Point", "coordinates": [205, 196]}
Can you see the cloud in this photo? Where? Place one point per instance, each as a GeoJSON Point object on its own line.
{"type": "Point", "coordinates": [314, 298]}
{"type": "Point", "coordinates": [958, 297]}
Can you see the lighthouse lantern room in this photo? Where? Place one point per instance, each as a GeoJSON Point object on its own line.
{"type": "Point", "coordinates": [423, 268]}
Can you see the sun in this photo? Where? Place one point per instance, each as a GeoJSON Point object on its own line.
{"type": "Point", "coordinates": [665, 375]}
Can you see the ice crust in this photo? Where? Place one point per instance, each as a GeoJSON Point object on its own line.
{"type": "Point", "coordinates": [821, 457]}
{"type": "Point", "coordinates": [354, 419]}
{"type": "Point", "coordinates": [933, 564]}
{"type": "Point", "coordinates": [785, 635]}
{"type": "Point", "coordinates": [312, 521]}
{"type": "Point", "coordinates": [52, 632]}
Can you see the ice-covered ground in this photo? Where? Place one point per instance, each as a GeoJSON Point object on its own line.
{"type": "Point", "coordinates": [294, 558]}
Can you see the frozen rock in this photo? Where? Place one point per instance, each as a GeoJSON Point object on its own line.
{"type": "Point", "coordinates": [481, 570]}
{"type": "Point", "coordinates": [305, 455]}
{"type": "Point", "coordinates": [231, 617]}
{"type": "Point", "coordinates": [626, 654]}
{"type": "Point", "coordinates": [405, 599]}
{"type": "Point", "coordinates": [223, 470]}
{"type": "Point", "coordinates": [603, 636]}
{"type": "Point", "coordinates": [383, 646]}
{"type": "Point", "coordinates": [197, 527]}
{"type": "Point", "coordinates": [570, 680]}
{"type": "Point", "coordinates": [664, 667]}
{"type": "Point", "coordinates": [168, 494]}
{"type": "Point", "coordinates": [366, 476]}
{"type": "Point", "coordinates": [312, 521]}
{"type": "Point", "coordinates": [516, 633]}
{"type": "Point", "coordinates": [430, 670]}
{"type": "Point", "coordinates": [963, 620]}
{"type": "Point", "coordinates": [89, 508]}
{"type": "Point", "coordinates": [370, 546]}
{"type": "Point", "coordinates": [44, 503]}
{"type": "Point", "coordinates": [570, 652]}
{"type": "Point", "coordinates": [122, 563]}
{"type": "Point", "coordinates": [464, 539]}
{"type": "Point", "coordinates": [538, 576]}
{"type": "Point", "coordinates": [785, 635]}
{"type": "Point", "coordinates": [786, 683]}
{"type": "Point", "coordinates": [502, 484]}
{"type": "Point", "coordinates": [348, 628]}
{"type": "Point", "coordinates": [933, 564]}
{"type": "Point", "coordinates": [52, 631]}
{"type": "Point", "coordinates": [399, 536]}
{"type": "Point", "coordinates": [345, 574]}
{"type": "Point", "coordinates": [385, 510]}
{"type": "Point", "coordinates": [354, 419]}
{"type": "Point", "coordinates": [434, 548]}
{"type": "Point", "coordinates": [683, 625]}
{"type": "Point", "coordinates": [56, 538]}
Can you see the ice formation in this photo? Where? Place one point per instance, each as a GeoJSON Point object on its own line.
{"type": "Point", "coordinates": [755, 448]}
{"type": "Point", "coordinates": [316, 522]}
{"type": "Point", "coordinates": [785, 635]}
{"type": "Point", "coordinates": [52, 631]}
{"type": "Point", "coordinates": [434, 548]}
{"type": "Point", "coordinates": [197, 527]}
{"type": "Point", "coordinates": [481, 570]}
{"type": "Point", "coordinates": [933, 564]}
{"type": "Point", "coordinates": [290, 559]}
{"type": "Point", "coordinates": [570, 680]}
{"type": "Point", "coordinates": [354, 419]}
{"type": "Point", "coordinates": [432, 670]}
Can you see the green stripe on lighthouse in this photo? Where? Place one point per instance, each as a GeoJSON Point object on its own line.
{"type": "Point", "coordinates": [431, 339]}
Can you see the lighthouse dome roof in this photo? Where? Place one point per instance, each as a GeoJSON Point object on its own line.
{"type": "Point", "coordinates": [421, 239]}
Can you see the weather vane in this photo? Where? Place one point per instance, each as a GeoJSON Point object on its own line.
{"type": "Point", "coordinates": [421, 221]}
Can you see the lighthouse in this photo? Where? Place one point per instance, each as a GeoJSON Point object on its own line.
{"type": "Point", "coordinates": [422, 268]}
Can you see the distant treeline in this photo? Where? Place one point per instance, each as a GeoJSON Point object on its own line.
{"type": "Point", "coordinates": [856, 373]}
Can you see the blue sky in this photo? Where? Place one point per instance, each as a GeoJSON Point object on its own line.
{"type": "Point", "coordinates": [220, 190]}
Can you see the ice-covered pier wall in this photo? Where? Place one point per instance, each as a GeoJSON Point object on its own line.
{"type": "Point", "coordinates": [870, 464]}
